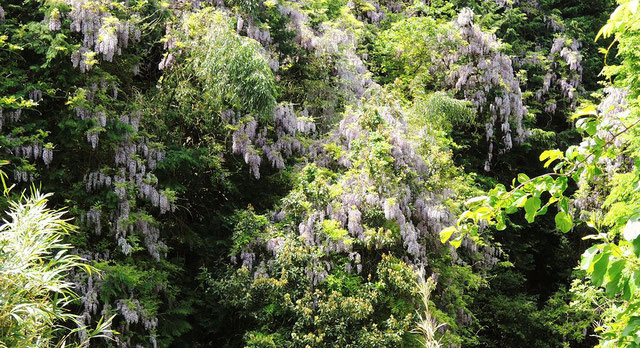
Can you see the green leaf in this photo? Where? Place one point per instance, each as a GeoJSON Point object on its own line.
{"type": "Point", "coordinates": [632, 326]}
{"type": "Point", "coordinates": [550, 156]}
{"type": "Point", "coordinates": [500, 222]}
{"type": "Point", "coordinates": [522, 178]}
{"type": "Point", "coordinates": [456, 242]}
{"type": "Point", "coordinates": [476, 200]}
{"type": "Point", "coordinates": [531, 208]}
{"type": "Point", "coordinates": [520, 200]}
{"type": "Point", "coordinates": [632, 229]}
{"type": "Point", "coordinates": [543, 210]}
{"type": "Point", "coordinates": [615, 269]}
{"type": "Point", "coordinates": [631, 286]}
{"type": "Point", "coordinates": [564, 222]}
{"type": "Point", "coordinates": [587, 124]}
{"type": "Point", "coordinates": [587, 258]}
{"type": "Point", "coordinates": [589, 111]}
{"type": "Point", "coordinates": [614, 273]}
{"type": "Point", "coordinates": [563, 204]}
{"type": "Point", "coordinates": [636, 246]}
{"type": "Point", "coordinates": [600, 268]}
{"type": "Point", "coordinates": [627, 292]}
{"type": "Point", "coordinates": [559, 186]}
{"type": "Point", "coordinates": [446, 233]}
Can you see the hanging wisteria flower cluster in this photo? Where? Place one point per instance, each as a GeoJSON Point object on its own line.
{"type": "Point", "coordinates": [28, 150]}
{"type": "Point", "coordinates": [102, 32]}
{"type": "Point", "coordinates": [613, 110]}
{"type": "Point", "coordinates": [11, 116]}
{"type": "Point", "coordinates": [564, 51]}
{"type": "Point", "coordinates": [369, 184]}
{"type": "Point", "coordinates": [133, 160]}
{"type": "Point", "coordinates": [253, 31]}
{"type": "Point", "coordinates": [336, 44]}
{"type": "Point", "coordinates": [131, 179]}
{"type": "Point", "coordinates": [372, 12]}
{"type": "Point", "coordinates": [98, 117]}
{"type": "Point", "coordinates": [339, 45]}
{"type": "Point", "coordinates": [299, 24]}
{"type": "Point", "coordinates": [88, 288]}
{"type": "Point", "coordinates": [485, 76]}
{"type": "Point", "coordinates": [54, 20]}
{"type": "Point", "coordinates": [132, 173]}
{"type": "Point", "coordinates": [263, 36]}
{"type": "Point", "coordinates": [554, 23]}
{"type": "Point", "coordinates": [34, 151]}
{"type": "Point", "coordinates": [250, 143]}
{"type": "Point", "coordinates": [133, 313]}
{"type": "Point", "coordinates": [35, 95]}
{"type": "Point", "coordinates": [170, 42]}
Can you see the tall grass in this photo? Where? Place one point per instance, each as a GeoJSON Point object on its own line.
{"type": "Point", "coordinates": [34, 290]}
{"type": "Point", "coordinates": [427, 326]}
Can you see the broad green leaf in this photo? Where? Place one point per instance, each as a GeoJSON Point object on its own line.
{"type": "Point", "coordinates": [632, 229]}
{"type": "Point", "coordinates": [559, 186]}
{"type": "Point", "coordinates": [500, 222]}
{"type": "Point", "coordinates": [616, 269]}
{"type": "Point", "coordinates": [456, 242]}
{"type": "Point", "coordinates": [612, 288]}
{"type": "Point", "coordinates": [476, 200]}
{"type": "Point", "coordinates": [572, 152]}
{"type": "Point", "coordinates": [564, 222]}
{"type": "Point", "coordinates": [522, 178]}
{"type": "Point", "coordinates": [614, 274]}
{"type": "Point", "coordinates": [632, 326]}
{"type": "Point", "coordinates": [636, 246]}
{"type": "Point", "coordinates": [550, 156]}
{"type": "Point", "coordinates": [563, 204]}
{"type": "Point", "coordinates": [589, 110]}
{"type": "Point", "coordinates": [587, 124]}
{"type": "Point", "coordinates": [531, 208]}
{"type": "Point", "coordinates": [628, 288]}
{"type": "Point", "coordinates": [600, 267]}
{"type": "Point", "coordinates": [587, 258]}
{"type": "Point", "coordinates": [543, 211]}
{"type": "Point", "coordinates": [520, 201]}
{"type": "Point", "coordinates": [446, 233]}
{"type": "Point", "coordinates": [632, 284]}
{"type": "Point", "coordinates": [483, 212]}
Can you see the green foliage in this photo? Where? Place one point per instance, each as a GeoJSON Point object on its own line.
{"type": "Point", "coordinates": [231, 67]}
{"type": "Point", "coordinates": [248, 229]}
{"type": "Point", "coordinates": [34, 266]}
{"type": "Point", "coordinates": [611, 262]}
{"type": "Point", "coordinates": [406, 52]}
{"type": "Point", "coordinates": [336, 122]}
{"type": "Point", "coordinates": [336, 312]}
{"type": "Point", "coordinates": [427, 327]}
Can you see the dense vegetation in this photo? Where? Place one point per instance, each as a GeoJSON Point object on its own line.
{"type": "Point", "coordinates": [320, 173]}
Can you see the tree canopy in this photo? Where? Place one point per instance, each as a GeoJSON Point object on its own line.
{"type": "Point", "coordinates": [320, 173]}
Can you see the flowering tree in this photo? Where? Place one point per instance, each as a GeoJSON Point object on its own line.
{"type": "Point", "coordinates": [350, 128]}
{"type": "Point", "coordinates": [604, 167]}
